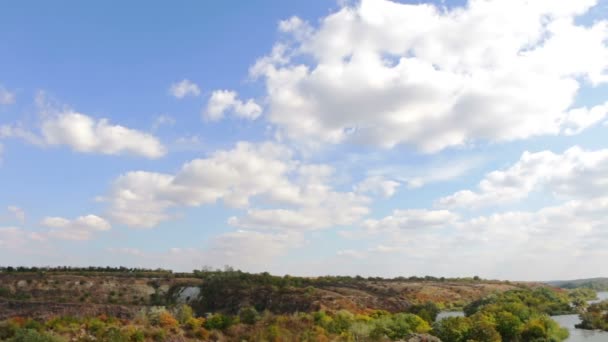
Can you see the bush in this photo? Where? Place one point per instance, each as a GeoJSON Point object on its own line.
{"type": "Point", "coordinates": [166, 320]}
{"type": "Point", "coordinates": [4, 292]}
{"type": "Point", "coordinates": [29, 335]}
{"type": "Point", "coordinates": [183, 313]}
{"type": "Point", "coordinates": [8, 329]}
{"type": "Point", "coordinates": [219, 322]}
{"type": "Point", "coordinates": [427, 311]}
{"type": "Point", "coordinates": [249, 315]}
{"type": "Point", "coordinates": [453, 329]}
{"type": "Point", "coordinates": [193, 324]}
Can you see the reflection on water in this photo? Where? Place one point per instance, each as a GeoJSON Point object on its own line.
{"type": "Point", "coordinates": [600, 297]}
{"type": "Point", "coordinates": [576, 335]}
{"type": "Point", "coordinates": [566, 321]}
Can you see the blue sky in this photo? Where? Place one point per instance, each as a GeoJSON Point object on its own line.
{"type": "Point", "coordinates": [308, 138]}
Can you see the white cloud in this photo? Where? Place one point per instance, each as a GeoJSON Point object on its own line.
{"type": "Point", "coordinates": [252, 248]}
{"type": "Point", "coordinates": [385, 73]}
{"type": "Point", "coordinates": [411, 219]}
{"type": "Point", "coordinates": [330, 210]}
{"type": "Point", "coordinates": [6, 97]}
{"type": "Point", "coordinates": [243, 249]}
{"type": "Point", "coordinates": [184, 88]}
{"type": "Point", "coordinates": [377, 185]}
{"type": "Point", "coordinates": [17, 131]}
{"type": "Point", "coordinates": [510, 245]}
{"type": "Point", "coordinates": [81, 228]}
{"type": "Point", "coordinates": [576, 173]}
{"type": "Point", "coordinates": [351, 253]}
{"type": "Point", "coordinates": [17, 212]}
{"type": "Point", "coordinates": [580, 118]}
{"type": "Point", "coordinates": [383, 249]}
{"type": "Point", "coordinates": [266, 171]}
{"type": "Point", "coordinates": [222, 101]}
{"type": "Point", "coordinates": [60, 125]}
{"type": "Point", "coordinates": [16, 238]}
{"type": "Point", "coordinates": [86, 134]}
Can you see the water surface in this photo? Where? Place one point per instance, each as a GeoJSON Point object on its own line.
{"type": "Point", "coordinates": [566, 321]}
{"type": "Point", "coordinates": [580, 335]}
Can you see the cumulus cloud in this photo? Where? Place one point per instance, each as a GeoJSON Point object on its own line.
{"type": "Point", "coordinates": [332, 209]}
{"type": "Point", "coordinates": [184, 88]}
{"type": "Point", "coordinates": [377, 185]}
{"type": "Point", "coordinates": [384, 73]}
{"type": "Point", "coordinates": [576, 173]}
{"type": "Point", "coordinates": [60, 125]}
{"type": "Point", "coordinates": [411, 219]}
{"type": "Point", "coordinates": [81, 228]}
{"type": "Point", "coordinates": [507, 245]}
{"type": "Point", "coordinates": [222, 101]}
{"type": "Point", "coordinates": [6, 97]}
{"type": "Point", "coordinates": [266, 171]}
{"type": "Point", "coordinates": [86, 134]}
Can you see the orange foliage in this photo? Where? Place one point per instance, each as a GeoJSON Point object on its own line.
{"type": "Point", "coordinates": [166, 320]}
{"type": "Point", "coordinates": [20, 321]}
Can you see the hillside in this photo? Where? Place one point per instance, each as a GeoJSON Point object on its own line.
{"type": "Point", "coordinates": [67, 304]}
{"type": "Point", "coordinates": [598, 284]}
{"type": "Point", "coordinates": [123, 294]}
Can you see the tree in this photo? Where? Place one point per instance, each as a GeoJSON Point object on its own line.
{"type": "Point", "coordinates": [453, 329]}
{"type": "Point", "coordinates": [249, 315]}
{"type": "Point", "coordinates": [508, 325]}
{"type": "Point", "coordinates": [427, 311]}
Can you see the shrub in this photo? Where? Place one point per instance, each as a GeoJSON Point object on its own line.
{"type": "Point", "coordinates": [219, 322]}
{"type": "Point", "coordinates": [137, 336]}
{"type": "Point", "coordinates": [454, 329]}
{"type": "Point", "coordinates": [95, 326]}
{"type": "Point", "coordinates": [166, 320]}
{"type": "Point", "coordinates": [4, 292]}
{"type": "Point", "coordinates": [8, 329]}
{"type": "Point", "coordinates": [29, 335]}
{"type": "Point", "coordinates": [194, 323]}
{"type": "Point", "coordinates": [183, 313]}
{"type": "Point", "coordinates": [427, 311]}
{"type": "Point", "coordinates": [202, 334]}
{"type": "Point", "coordinates": [249, 315]}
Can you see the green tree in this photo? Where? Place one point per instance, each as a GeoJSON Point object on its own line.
{"type": "Point", "coordinates": [453, 329]}
{"type": "Point", "coordinates": [249, 315]}
{"type": "Point", "coordinates": [508, 325]}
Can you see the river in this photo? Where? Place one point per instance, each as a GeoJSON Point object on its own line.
{"type": "Point", "coordinates": [567, 321]}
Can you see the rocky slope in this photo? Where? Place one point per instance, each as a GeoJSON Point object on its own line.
{"type": "Point", "coordinates": [46, 294]}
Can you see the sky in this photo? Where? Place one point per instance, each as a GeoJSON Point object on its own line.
{"type": "Point", "coordinates": [372, 137]}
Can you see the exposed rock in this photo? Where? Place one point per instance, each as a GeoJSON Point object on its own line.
{"type": "Point", "coordinates": [188, 294]}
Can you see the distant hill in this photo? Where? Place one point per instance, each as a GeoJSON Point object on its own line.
{"type": "Point", "coordinates": [598, 284]}
{"type": "Point", "coordinates": [123, 292]}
